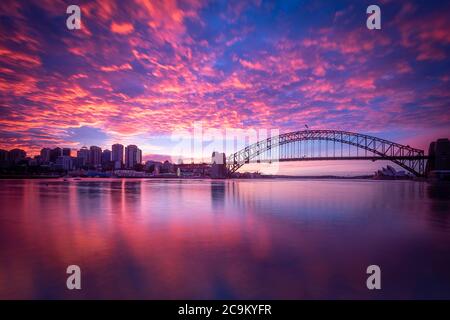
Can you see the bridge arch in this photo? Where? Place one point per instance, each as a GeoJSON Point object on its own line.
{"type": "Point", "coordinates": [409, 158]}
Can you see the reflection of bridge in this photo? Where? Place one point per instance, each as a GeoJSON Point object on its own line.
{"type": "Point", "coordinates": [311, 145]}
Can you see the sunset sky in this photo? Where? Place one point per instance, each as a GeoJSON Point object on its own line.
{"type": "Point", "coordinates": [138, 71]}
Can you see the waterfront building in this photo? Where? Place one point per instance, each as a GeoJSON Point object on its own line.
{"type": "Point", "coordinates": [133, 156]}
{"type": "Point", "coordinates": [45, 155]}
{"type": "Point", "coordinates": [78, 162]}
{"type": "Point", "coordinates": [194, 169]}
{"type": "Point", "coordinates": [131, 174]}
{"type": "Point", "coordinates": [36, 161]}
{"type": "Point", "coordinates": [117, 154]}
{"type": "Point", "coordinates": [439, 151]}
{"type": "Point", "coordinates": [106, 157]}
{"type": "Point", "coordinates": [167, 167]}
{"type": "Point", "coordinates": [151, 165]}
{"type": "Point", "coordinates": [16, 155]}
{"type": "Point", "coordinates": [390, 172]}
{"type": "Point", "coordinates": [64, 163]}
{"type": "Point", "coordinates": [438, 166]}
{"type": "Point", "coordinates": [83, 156]}
{"type": "Point", "coordinates": [117, 165]}
{"type": "Point", "coordinates": [55, 153]}
{"type": "Point", "coordinates": [95, 156]}
{"type": "Point", "coordinates": [3, 155]}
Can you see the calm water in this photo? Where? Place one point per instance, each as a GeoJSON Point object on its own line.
{"type": "Point", "coordinates": [224, 239]}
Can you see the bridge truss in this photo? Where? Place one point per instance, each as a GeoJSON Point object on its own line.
{"type": "Point", "coordinates": [313, 145]}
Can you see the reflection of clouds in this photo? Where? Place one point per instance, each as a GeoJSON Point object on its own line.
{"type": "Point", "coordinates": [301, 201]}
{"type": "Point", "coordinates": [439, 215]}
{"type": "Point", "coordinates": [218, 239]}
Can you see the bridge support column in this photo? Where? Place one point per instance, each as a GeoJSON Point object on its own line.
{"type": "Point", "coordinates": [218, 166]}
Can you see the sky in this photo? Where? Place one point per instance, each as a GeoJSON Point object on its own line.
{"type": "Point", "coordinates": [145, 71]}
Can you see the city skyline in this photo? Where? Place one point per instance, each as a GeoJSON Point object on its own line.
{"type": "Point", "coordinates": [224, 155]}
{"type": "Point", "coordinates": [119, 155]}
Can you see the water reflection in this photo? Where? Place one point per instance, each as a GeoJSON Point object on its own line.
{"type": "Point", "coordinates": [439, 193]}
{"type": "Point", "coordinates": [218, 194]}
{"type": "Point", "coordinates": [224, 239]}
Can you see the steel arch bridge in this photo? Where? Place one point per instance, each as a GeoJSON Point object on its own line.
{"type": "Point", "coordinates": [328, 145]}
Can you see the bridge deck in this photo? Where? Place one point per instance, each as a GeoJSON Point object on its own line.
{"type": "Point", "coordinates": [335, 158]}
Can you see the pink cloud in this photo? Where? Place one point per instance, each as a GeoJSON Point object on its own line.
{"type": "Point", "coordinates": [122, 28]}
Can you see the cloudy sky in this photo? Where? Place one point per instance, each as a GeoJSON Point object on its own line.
{"type": "Point", "coordinates": [138, 71]}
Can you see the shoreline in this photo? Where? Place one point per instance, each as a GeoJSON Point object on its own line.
{"type": "Point", "coordinates": [262, 177]}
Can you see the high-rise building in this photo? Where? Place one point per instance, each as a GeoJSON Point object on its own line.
{"type": "Point", "coordinates": [16, 155]}
{"type": "Point", "coordinates": [66, 152]}
{"type": "Point", "coordinates": [3, 155]}
{"type": "Point", "coordinates": [133, 156]}
{"type": "Point", "coordinates": [106, 156]}
{"type": "Point", "coordinates": [439, 152]}
{"type": "Point", "coordinates": [78, 162]}
{"type": "Point", "coordinates": [117, 154]}
{"type": "Point", "coordinates": [83, 156]}
{"type": "Point", "coordinates": [64, 163]}
{"type": "Point", "coordinates": [45, 154]}
{"type": "Point", "coordinates": [139, 156]}
{"type": "Point", "coordinates": [95, 156]}
{"type": "Point", "coordinates": [55, 153]}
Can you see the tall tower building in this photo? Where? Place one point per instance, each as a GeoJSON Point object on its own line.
{"type": "Point", "coordinates": [45, 154]}
{"type": "Point", "coordinates": [83, 156]}
{"type": "Point", "coordinates": [218, 165]}
{"type": "Point", "coordinates": [55, 153]}
{"type": "Point", "coordinates": [3, 155]}
{"type": "Point", "coordinates": [95, 156]}
{"type": "Point", "coordinates": [139, 156]}
{"type": "Point", "coordinates": [106, 157]}
{"type": "Point", "coordinates": [16, 155]}
{"type": "Point", "coordinates": [117, 154]}
{"type": "Point", "coordinates": [133, 156]}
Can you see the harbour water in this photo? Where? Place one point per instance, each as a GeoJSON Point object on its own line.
{"type": "Point", "coordinates": [224, 239]}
